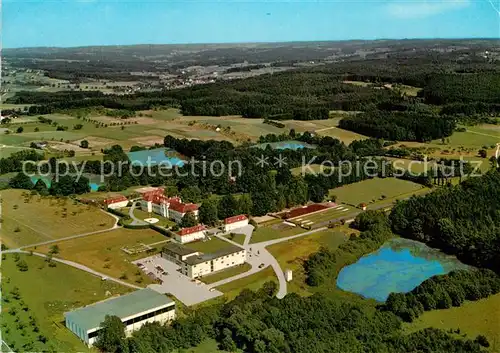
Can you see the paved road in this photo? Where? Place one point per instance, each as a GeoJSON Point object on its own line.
{"type": "Point", "coordinates": [260, 258]}
{"type": "Point", "coordinates": [78, 266]}
{"type": "Point", "coordinates": [135, 221]}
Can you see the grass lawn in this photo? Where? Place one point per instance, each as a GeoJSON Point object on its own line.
{"type": "Point", "coordinates": [209, 246]}
{"type": "Point", "coordinates": [291, 254]}
{"type": "Point", "coordinates": [472, 318]}
{"type": "Point", "coordinates": [237, 238]}
{"type": "Point", "coordinates": [274, 230]}
{"type": "Point", "coordinates": [373, 190]}
{"type": "Point", "coordinates": [230, 272]}
{"type": "Point", "coordinates": [102, 252]}
{"type": "Point", "coordinates": [163, 222]}
{"type": "Point", "coordinates": [48, 292]}
{"type": "Point", "coordinates": [252, 282]}
{"type": "Point", "coordinates": [29, 219]}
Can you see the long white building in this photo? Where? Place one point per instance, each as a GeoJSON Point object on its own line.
{"type": "Point", "coordinates": [235, 222]}
{"type": "Point", "coordinates": [134, 309]}
{"type": "Point", "coordinates": [195, 264]}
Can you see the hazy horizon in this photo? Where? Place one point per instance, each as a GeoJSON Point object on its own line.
{"type": "Point", "coordinates": [78, 23]}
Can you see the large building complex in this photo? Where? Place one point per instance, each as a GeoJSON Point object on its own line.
{"type": "Point", "coordinates": [154, 200]}
{"type": "Point", "coordinates": [232, 223]}
{"type": "Point", "coordinates": [134, 309]}
{"type": "Point", "coordinates": [195, 264]}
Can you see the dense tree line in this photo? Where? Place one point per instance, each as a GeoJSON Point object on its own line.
{"type": "Point", "coordinates": [443, 292]}
{"type": "Point", "coordinates": [256, 322]}
{"type": "Point", "coordinates": [461, 220]}
{"type": "Point", "coordinates": [14, 163]}
{"type": "Point", "coordinates": [400, 126]}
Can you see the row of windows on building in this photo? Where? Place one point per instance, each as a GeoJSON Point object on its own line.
{"type": "Point", "coordinates": [140, 318]}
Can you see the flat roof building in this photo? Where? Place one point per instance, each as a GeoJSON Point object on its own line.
{"type": "Point", "coordinates": [134, 309]}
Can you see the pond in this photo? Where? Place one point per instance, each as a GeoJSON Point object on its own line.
{"type": "Point", "coordinates": [165, 156]}
{"type": "Point", "coordinates": [399, 265]}
{"type": "Point", "coordinates": [285, 145]}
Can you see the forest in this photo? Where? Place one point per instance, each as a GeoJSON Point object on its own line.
{"type": "Point", "coordinates": [461, 220]}
{"type": "Point", "coordinates": [400, 126]}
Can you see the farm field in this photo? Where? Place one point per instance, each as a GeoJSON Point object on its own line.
{"type": "Point", "coordinates": [292, 253]}
{"type": "Point", "coordinates": [374, 190]}
{"type": "Point", "coordinates": [252, 282]}
{"type": "Point", "coordinates": [230, 272]}
{"type": "Point", "coordinates": [472, 318]}
{"type": "Point", "coordinates": [48, 305]}
{"type": "Point", "coordinates": [28, 219]}
{"type": "Point", "coordinates": [102, 252]}
{"type": "Point", "coordinates": [274, 230]}
{"type": "Point", "coordinates": [210, 246]}
{"type": "Point", "coordinates": [343, 135]}
{"type": "Point", "coordinates": [312, 169]}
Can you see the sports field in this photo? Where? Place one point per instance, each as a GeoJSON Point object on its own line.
{"type": "Point", "coordinates": [47, 292]}
{"type": "Point", "coordinates": [102, 252]}
{"type": "Point", "coordinates": [374, 190]}
{"type": "Point", "coordinates": [481, 317]}
{"type": "Point", "coordinates": [29, 219]}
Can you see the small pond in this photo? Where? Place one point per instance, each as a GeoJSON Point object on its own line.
{"type": "Point", "coordinates": [285, 145]}
{"type": "Point", "coordinates": [399, 265]}
{"type": "Point", "coordinates": [155, 156]}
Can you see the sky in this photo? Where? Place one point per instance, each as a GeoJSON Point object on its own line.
{"type": "Point", "coordinates": [69, 23]}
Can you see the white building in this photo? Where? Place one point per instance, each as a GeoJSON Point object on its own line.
{"type": "Point", "coordinates": [154, 201]}
{"type": "Point", "coordinates": [116, 202]}
{"type": "Point", "coordinates": [187, 235]}
{"type": "Point", "coordinates": [288, 275]}
{"type": "Point", "coordinates": [195, 264]}
{"type": "Point", "coordinates": [235, 222]}
{"type": "Point", "coordinates": [134, 309]}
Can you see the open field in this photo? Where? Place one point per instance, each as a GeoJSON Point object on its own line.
{"type": "Point", "coordinates": [311, 169]}
{"type": "Point", "coordinates": [323, 216]}
{"type": "Point", "coordinates": [373, 190]}
{"type": "Point", "coordinates": [274, 230]}
{"type": "Point", "coordinates": [48, 292]}
{"type": "Point", "coordinates": [29, 219]}
{"type": "Point", "coordinates": [210, 246]}
{"type": "Point", "coordinates": [252, 282]}
{"type": "Point", "coordinates": [472, 318]}
{"type": "Point", "coordinates": [102, 252]}
{"type": "Point", "coordinates": [292, 253]}
{"type": "Point", "coordinates": [230, 272]}
{"type": "Point", "coordinates": [343, 135]}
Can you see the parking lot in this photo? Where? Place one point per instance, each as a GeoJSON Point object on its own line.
{"type": "Point", "coordinates": [188, 291]}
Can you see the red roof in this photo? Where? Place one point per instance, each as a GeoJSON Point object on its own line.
{"type": "Point", "coordinates": [115, 199]}
{"type": "Point", "coordinates": [235, 219]}
{"type": "Point", "coordinates": [191, 230]}
{"type": "Point", "coordinates": [183, 207]}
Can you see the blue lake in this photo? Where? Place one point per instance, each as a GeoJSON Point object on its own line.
{"type": "Point", "coordinates": [285, 145]}
{"type": "Point", "coordinates": [399, 265]}
{"type": "Point", "coordinates": [156, 156]}
{"type": "Point", "coordinates": [48, 182]}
